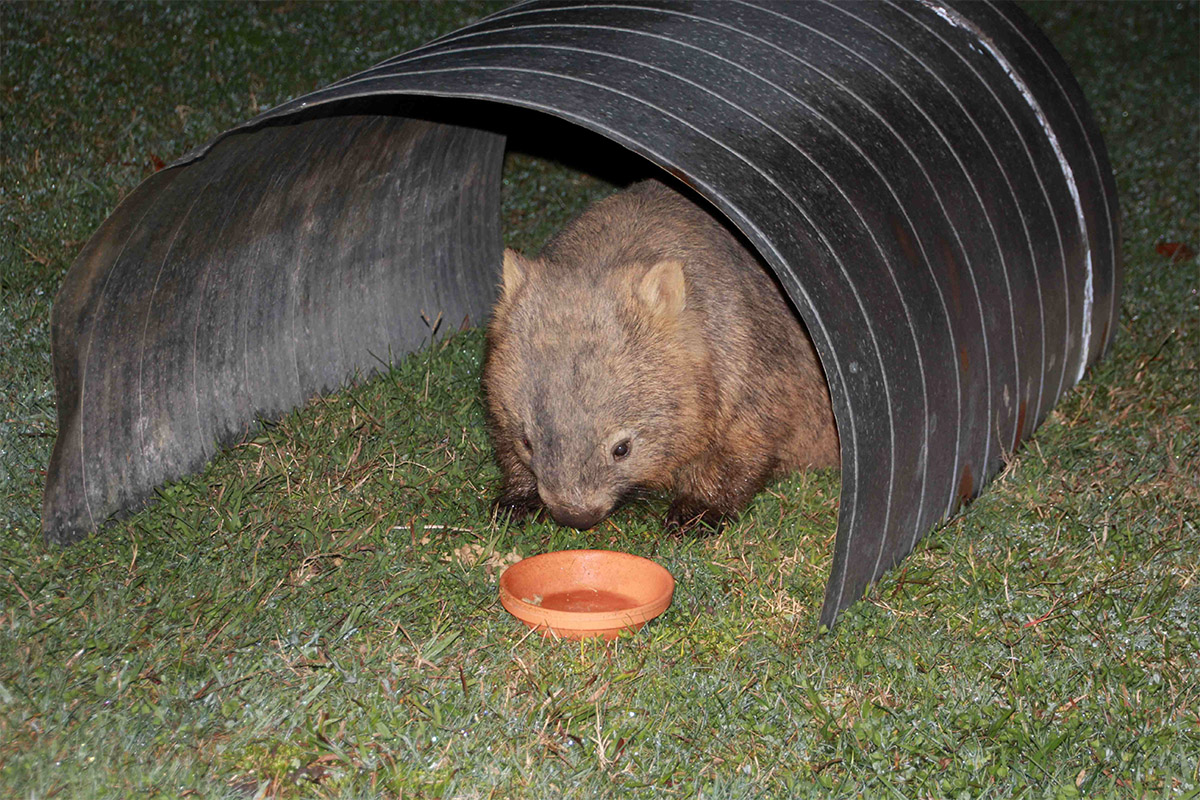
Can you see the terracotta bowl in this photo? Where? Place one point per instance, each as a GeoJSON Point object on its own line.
{"type": "Point", "coordinates": [577, 594]}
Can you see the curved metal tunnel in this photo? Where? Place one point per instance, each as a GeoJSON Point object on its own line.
{"type": "Point", "coordinates": [925, 179]}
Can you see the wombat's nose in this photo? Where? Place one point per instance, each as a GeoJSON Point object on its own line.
{"type": "Point", "coordinates": [577, 518]}
{"type": "Point", "coordinates": [575, 509]}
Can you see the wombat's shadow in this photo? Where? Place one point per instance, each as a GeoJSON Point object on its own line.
{"type": "Point", "coordinates": [571, 147]}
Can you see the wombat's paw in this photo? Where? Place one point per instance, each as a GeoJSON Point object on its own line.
{"type": "Point", "coordinates": [518, 507]}
{"type": "Point", "coordinates": [684, 517]}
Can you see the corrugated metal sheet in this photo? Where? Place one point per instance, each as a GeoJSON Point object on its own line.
{"type": "Point", "coordinates": [924, 178]}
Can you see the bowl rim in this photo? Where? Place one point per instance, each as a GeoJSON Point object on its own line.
{"type": "Point", "coordinates": [557, 619]}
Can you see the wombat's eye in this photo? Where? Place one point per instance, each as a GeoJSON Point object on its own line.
{"type": "Point", "coordinates": [525, 443]}
{"type": "Point", "coordinates": [621, 450]}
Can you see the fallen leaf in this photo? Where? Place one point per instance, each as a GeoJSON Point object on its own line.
{"type": "Point", "coordinates": [1176, 251]}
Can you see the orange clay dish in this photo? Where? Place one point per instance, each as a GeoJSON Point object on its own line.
{"type": "Point", "coordinates": [578, 594]}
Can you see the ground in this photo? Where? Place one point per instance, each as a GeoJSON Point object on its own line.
{"type": "Point", "coordinates": [316, 615]}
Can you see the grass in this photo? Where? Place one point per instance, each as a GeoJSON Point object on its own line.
{"type": "Point", "coordinates": [315, 615]}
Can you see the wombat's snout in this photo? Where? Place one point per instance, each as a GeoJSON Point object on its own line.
{"type": "Point", "coordinates": [582, 515]}
{"type": "Point", "coordinates": [576, 519]}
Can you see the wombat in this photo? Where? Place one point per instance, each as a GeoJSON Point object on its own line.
{"type": "Point", "coordinates": [646, 350]}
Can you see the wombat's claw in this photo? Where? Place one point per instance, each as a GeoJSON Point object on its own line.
{"type": "Point", "coordinates": [519, 508]}
{"type": "Point", "coordinates": [694, 521]}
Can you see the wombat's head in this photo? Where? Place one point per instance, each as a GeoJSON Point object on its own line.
{"type": "Point", "coordinates": [595, 382]}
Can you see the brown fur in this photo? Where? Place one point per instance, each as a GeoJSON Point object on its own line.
{"type": "Point", "coordinates": [645, 321]}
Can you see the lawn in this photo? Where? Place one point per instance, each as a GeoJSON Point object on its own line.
{"type": "Point", "coordinates": [316, 614]}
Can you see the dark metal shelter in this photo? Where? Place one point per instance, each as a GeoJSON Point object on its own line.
{"type": "Point", "coordinates": [924, 178]}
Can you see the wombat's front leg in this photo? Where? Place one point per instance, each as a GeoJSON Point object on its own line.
{"type": "Point", "coordinates": [714, 492]}
{"type": "Point", "coordinates": [519, 497]}
{"type": "Point", "coordinates": [691, 515]}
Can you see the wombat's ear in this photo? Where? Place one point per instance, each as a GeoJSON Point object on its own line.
{"type": "Point", "coordinates": [514, 272]}
{"type": "Point", "coordinates": [662, 288]}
